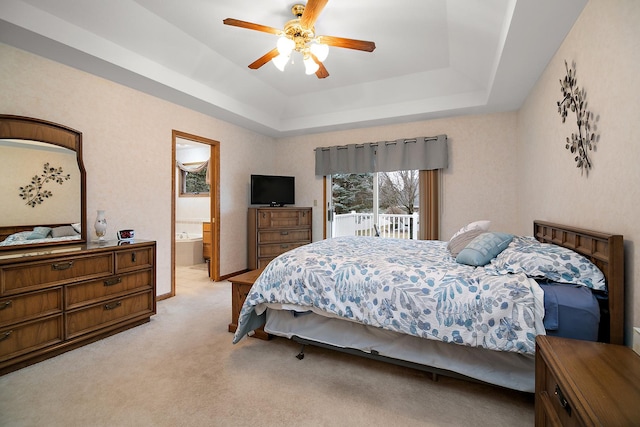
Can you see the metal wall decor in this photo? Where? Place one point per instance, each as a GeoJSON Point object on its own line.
{"type": "Point", "coordinates": [574, 99]}
{"type": "Point", "coordinates": [33, 192]}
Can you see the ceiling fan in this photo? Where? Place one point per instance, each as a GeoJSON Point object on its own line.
{"type": "Point", "coordinates": [299, 34]}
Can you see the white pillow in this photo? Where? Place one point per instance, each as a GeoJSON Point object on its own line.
{"type": "Point", "coordinates": [476, 225]}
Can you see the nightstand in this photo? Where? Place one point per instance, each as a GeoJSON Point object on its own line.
{"type": "Point", "coordinates": [240, 287]}
{"type": "Point", "coordinates": [584, 383]}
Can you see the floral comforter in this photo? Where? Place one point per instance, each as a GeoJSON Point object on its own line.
{"type": "Point", "coordinates": [407, 286]}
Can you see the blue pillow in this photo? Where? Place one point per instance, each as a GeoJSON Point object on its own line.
{"type": "Point", "coordinates": [39, 233]}
{"type": "Point", "coordinates": [484, 248]}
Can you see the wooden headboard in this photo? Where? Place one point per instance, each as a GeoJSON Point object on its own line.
{"type": "Point", "coordinates": [607, 252]}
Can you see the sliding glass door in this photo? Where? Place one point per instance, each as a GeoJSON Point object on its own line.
{"type": "Point", "coordinates": [383, 204]}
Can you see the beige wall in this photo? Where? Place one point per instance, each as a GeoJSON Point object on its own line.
{"type": "Point", "coordinates": [605, 45]}
{"type": "Point", "coordinates": [127, 151]}
{"type": "Point", "coordinates": [479, 183]}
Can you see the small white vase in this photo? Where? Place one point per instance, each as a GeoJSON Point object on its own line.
{"type": "Point", "coordinates": [101, 225]}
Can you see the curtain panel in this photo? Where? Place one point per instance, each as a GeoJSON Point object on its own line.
{"type": "Point", "coordinates": [195, 168]}
{"type": "Point", "coordinates": [422, 153]}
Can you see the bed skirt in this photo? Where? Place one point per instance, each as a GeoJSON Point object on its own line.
{"type": "Point", "coordinates": [510, 370]}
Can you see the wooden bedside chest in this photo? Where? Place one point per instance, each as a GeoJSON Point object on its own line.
{"type": "Point", "coordinates": [583, 383]}
{"type": "Point", "coordinates": [240, 287]}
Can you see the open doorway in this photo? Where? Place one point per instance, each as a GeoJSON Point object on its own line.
{"type": "Point", "coordinates": [195, 204]}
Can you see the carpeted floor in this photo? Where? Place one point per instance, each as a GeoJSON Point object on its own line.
{"type": "Point", "coordinates": [182, 370]}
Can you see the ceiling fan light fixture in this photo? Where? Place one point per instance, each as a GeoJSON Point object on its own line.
{"type": "Point", "coordinates": [320, 50]}
{"type": "Point", "coordinates": [310, 66]}
{"type": "Point", "coordinates": [285, 45]}
{"type": "Point", "coordinates": [280, 61]}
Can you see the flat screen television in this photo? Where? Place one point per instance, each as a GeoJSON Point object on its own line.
{"type": "Point", "coordinates": [273, 190]}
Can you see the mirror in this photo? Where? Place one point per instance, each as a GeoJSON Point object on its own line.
{"type": "Point", "coordinates": [42, 185]}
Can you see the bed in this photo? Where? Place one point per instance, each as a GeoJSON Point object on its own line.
{"type": "Point", "coordinates": [474, 316]}
{"type": "Point", "coordinates": [17, 236]}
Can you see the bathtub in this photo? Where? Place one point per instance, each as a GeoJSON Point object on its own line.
{"type": "Point", "coordinates": [189, 249]}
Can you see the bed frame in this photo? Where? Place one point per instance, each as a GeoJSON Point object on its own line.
{"type": "Point", "coordinates": [607, 252]}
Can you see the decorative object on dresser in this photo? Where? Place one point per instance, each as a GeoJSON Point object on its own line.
{"type": "Point", "coordinates": [57, 299]}
{"type": "Point", "coordinates": [584, 383]}
{"type": "Point", "coordinates": [574, 99]}
{"type": "Point", "coordinates": [100, 225]}
{"type": "Point", "coordinates": [273, 231]}
{"type": "Point", "coordinates": [25, 145]}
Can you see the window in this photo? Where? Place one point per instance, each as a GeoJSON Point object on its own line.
{"type": "Point", "coordinates": [194, 184]}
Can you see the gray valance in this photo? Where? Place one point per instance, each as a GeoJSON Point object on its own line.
{"type": "Point", "coordinates": [422, 153]}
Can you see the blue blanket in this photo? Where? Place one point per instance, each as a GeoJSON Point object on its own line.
{"type": "Point", "coordinates": [408, 286]}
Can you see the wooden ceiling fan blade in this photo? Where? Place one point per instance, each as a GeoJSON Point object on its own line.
{"type": "Point", "coordinates": [311, 12]}
{"type": "Point", "coordinates": [322, 71]}
{"type": "Point", "coordinates": [251, 26]}
{"type": "Point", "coordinates": [348, 43]}
{"type": "Point", "coordinates": [264, 59]}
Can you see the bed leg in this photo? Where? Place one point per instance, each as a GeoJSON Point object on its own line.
{"type": "Point", "coordinates": [300, 355]}
{"type": "Point", "coordinates": [434, 377]}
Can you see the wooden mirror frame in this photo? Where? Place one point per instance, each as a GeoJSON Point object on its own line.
{"type": "Point", "coordinates": [26, 128]}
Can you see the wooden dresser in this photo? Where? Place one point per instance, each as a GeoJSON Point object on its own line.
{"type": "Point", "coordinates": [583, 383]}
{"type": "Point", "coordinates": [57, 299]}
{"type": "Point", "coordinates": [273, 231]}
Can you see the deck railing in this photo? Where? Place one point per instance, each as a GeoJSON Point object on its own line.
{"type": "Point", "coordinates": [398, 226]}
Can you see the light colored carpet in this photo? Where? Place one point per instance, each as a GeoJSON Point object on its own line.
{"type": "Point", "coordinates": [182, 370]}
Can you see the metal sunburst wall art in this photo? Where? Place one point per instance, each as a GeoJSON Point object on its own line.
{"type": "Point", "coordinates": [574, 99]}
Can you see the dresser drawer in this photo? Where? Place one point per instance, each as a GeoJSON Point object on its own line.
{"type": "Point", "coordinates": [272, 251]}
{"type": "Point", "coordinates": [283, 218]}
{"type": "Point", "coordinates": [37, 275]}
{"type": "Point", "coordinates": [30, 306]}
{"type": "Point", "coordinates": [274, 236]}
{"type": "Point", "coordinates": [558, 408]}
{"type": "Point", "coordinates": [96, 290]}
{"type": "Point", "coordinates": [134, 259]}
{"type": "Point", "coordinates": [111, 312]}
{"type": "Point", "coordinates": [30, 336]}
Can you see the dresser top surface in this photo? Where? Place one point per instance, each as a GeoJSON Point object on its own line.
{"type": "Point", "coordinates": [64, 250]}
{"type": "Point", "coordinates": [607, 376]}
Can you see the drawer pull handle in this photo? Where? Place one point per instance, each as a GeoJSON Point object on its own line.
{"type": "Point", "coordinates": [5, 335]}
{"type": "Point", "coordinates": [133, 257]}
{"type": "Point", "coordinates": [62, 266]}
{"type": "Point", "coordinates": [284, 233]}
{"type": "Point", "coordinates": [562, 400]}
{"type": "Point", "coordinates": [5, 304]}
{"type": "Point", "coordinates": [114, 281]}
{"type": "Point", "coordinates": [112, 305]}
{"type": "Point", "coordinates": [284, 246]}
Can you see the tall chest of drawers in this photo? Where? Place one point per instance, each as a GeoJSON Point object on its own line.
{"type": "Point", "coordinates": [55, 300]}
{"type": "Point", "coordinates": [273, 231]}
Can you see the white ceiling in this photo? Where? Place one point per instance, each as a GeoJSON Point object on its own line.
{"type": "Point", "coordinates": [433, 58]}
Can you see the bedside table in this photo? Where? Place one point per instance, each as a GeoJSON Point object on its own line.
{"type": "Point", "coordinates": [240, 287]}
{"type": "Point", "coordinates": [584, 383]}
